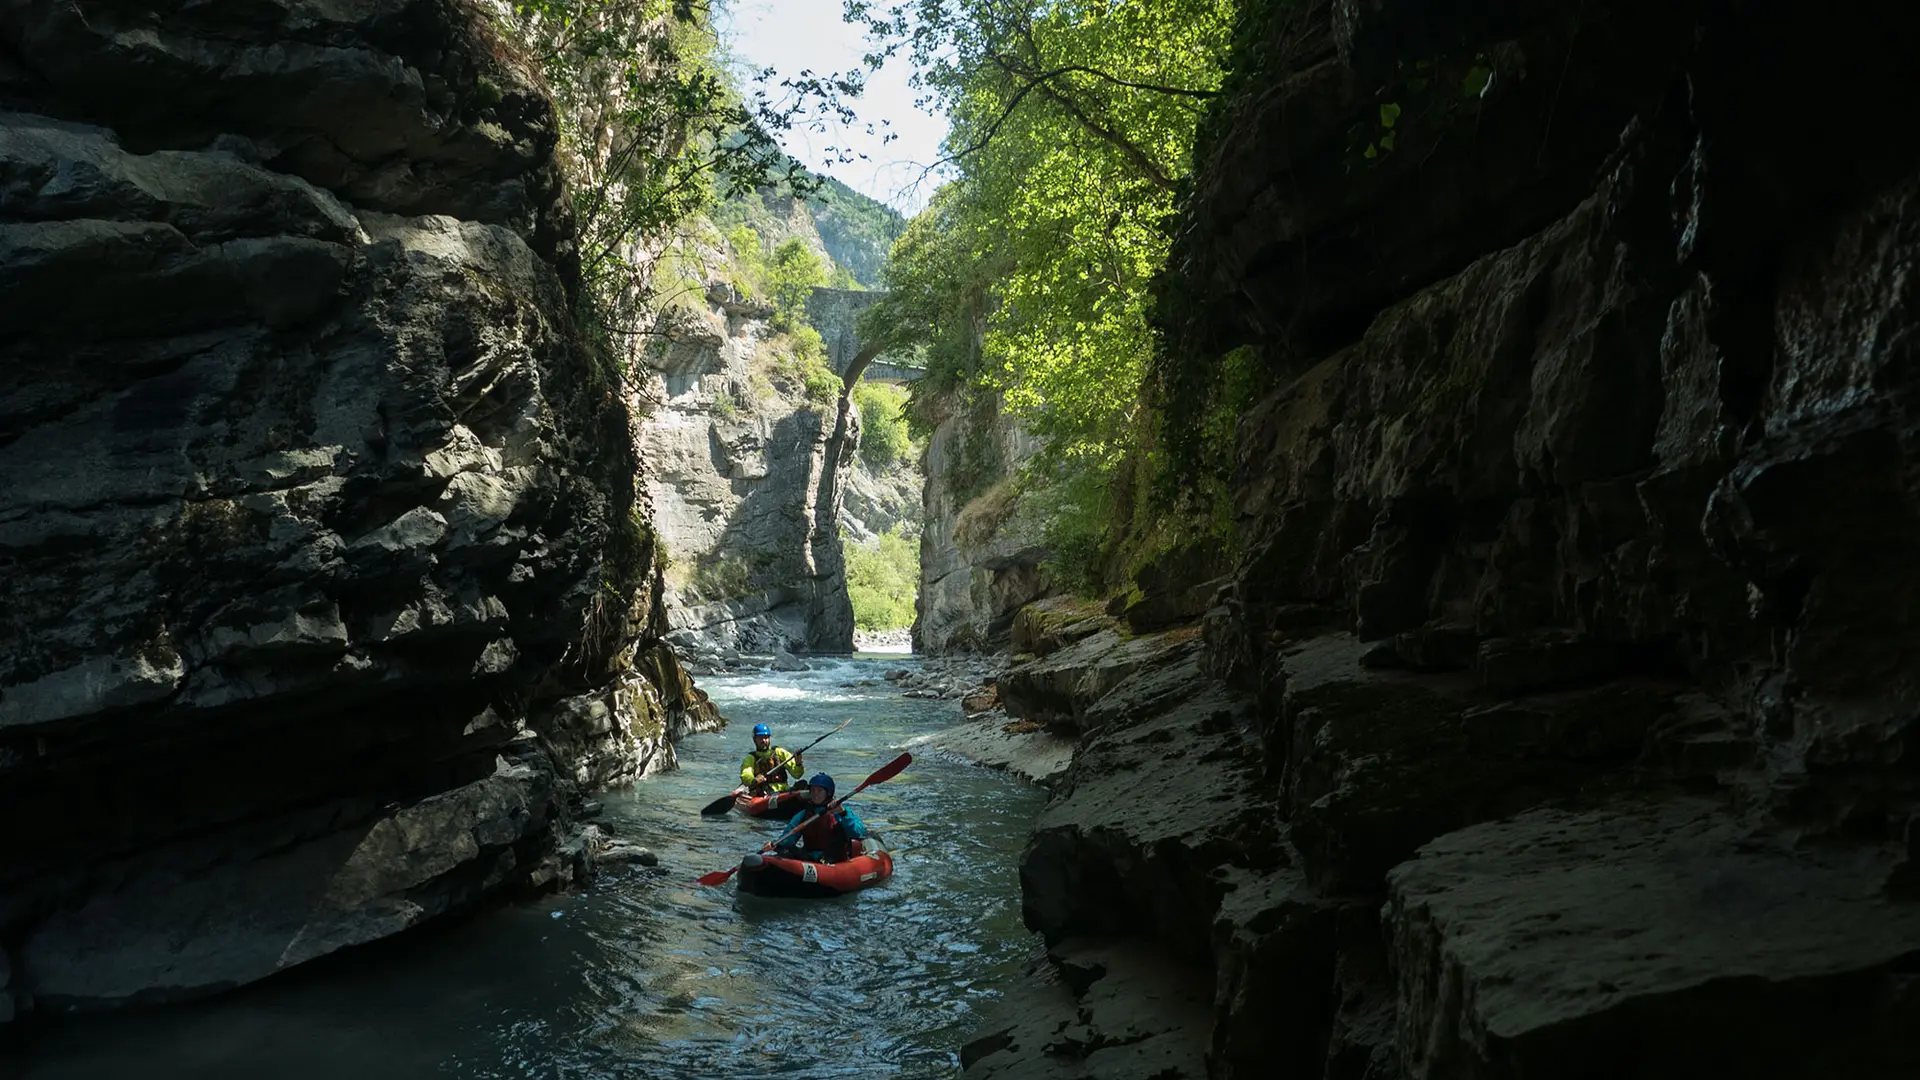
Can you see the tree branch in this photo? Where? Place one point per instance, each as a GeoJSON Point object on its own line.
{"type": "Point", "coordinates": [1146, 166]}
{"type": "Point", "coordinates": [993, 129]}
{"type": "Point", "coordinates": [1152, 88]}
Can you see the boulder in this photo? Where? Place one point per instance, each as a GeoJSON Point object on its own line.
{"type": "Point", "coordinates": [1049, 625]}
{"type": "Point", "coordinates": [248, 919]}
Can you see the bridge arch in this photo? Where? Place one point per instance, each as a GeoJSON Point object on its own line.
{"type": "Point", "coordinates": [836, 314]}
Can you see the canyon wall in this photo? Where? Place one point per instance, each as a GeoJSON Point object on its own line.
{"type": "Point", "coordinates": [751, 441]}
{"type": "Point", "coordinates": [980, 558]}
{"type": "Point", "coordinates": [325, 589]}
{"type": "Point", "coordinates": [1556, 718]}
{"type": "Point", "coordinates": [746, 468]}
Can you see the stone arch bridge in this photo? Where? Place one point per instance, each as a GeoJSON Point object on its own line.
{"type": "Point", "coordinates": [835, 313]}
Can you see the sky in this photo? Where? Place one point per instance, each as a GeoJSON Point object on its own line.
{"type": "Point", "coordinates": [795, 35]}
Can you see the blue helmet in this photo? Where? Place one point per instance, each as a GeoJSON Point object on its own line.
{"type": "Point", "coordinates": [822, 780]}
{"type": "Point", "coordinates": [762, 729]}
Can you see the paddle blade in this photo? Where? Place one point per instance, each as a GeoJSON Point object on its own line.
{"type": "Point", "coordinates": [718, 877]}
{"type": "Point", "coordinates": [886, 772]}
{"type": "Point", "coordinates": [718, 806]}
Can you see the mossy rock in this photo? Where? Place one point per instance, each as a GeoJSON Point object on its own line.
{"type": "Point", "coordinates": [1047, 626]}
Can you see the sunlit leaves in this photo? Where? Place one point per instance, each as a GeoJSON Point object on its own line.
{"type": "Point", "coordinates": [1073, 124]}
{"type": "Point", "coordinates": [791, 275]}
{"type": "Point", "coordinates": [653, 127]}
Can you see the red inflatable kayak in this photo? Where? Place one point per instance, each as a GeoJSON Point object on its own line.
{"type": "Point", "coordinates": [773, 875]}
{"type": "Point", "coordinates": [776, 804]}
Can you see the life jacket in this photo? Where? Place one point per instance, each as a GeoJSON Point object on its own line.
{"type": "Point", "coordinates": [765, 763]}
{"type": "Point", "coordinates": [824, 833]}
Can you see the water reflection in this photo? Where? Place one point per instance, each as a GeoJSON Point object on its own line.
{"type": "Point", "coordinates": [647, 974]}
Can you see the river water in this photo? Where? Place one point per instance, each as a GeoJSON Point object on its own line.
{"type": "Point", "coordinates": [647, 974]}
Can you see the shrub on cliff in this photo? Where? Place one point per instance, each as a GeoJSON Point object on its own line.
{"type": "Point", "coordinates": [884, 440]}
{"type": "Point", "coordinates": [789, 276]}
{"type": "Point", "coordinates": [883, 579]}
{"type": "Point", "coordinates": [795, 362]}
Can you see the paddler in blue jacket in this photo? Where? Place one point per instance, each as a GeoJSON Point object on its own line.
{"type": "Point", "coordinates": [826, 836]}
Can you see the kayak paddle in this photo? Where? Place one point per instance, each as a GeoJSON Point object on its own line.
{"type": "Point", "coordinates": [724, 803]}
{"type": "Point", "coordinates": [886, 772]}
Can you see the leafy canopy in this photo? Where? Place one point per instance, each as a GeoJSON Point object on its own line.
{"type": "Point", "coordinates": [884, 439]}
{"type": "Point", "coordinates": [882, 580]}
{"type": "Point", "coordinates": [1028, 274]}
{"type": "Point", "coordinates": [655, 127]}
{"type": "Point", "coordinates": [791, 275]}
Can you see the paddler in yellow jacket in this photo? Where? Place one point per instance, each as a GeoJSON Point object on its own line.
{"type": "Point", "coordinates": [768, 768]}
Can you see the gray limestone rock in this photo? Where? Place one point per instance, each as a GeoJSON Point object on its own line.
{"type": "Point", "coordinates": [167, 930]}
{"type": "Point", "coordinates": [979, 559]}
{"type": "Point", "coordinates": [1062, 687]}
{"type": "Point", "coordinates": [990, 738]}
{"type": "Point", "coordinates": [1049, 625]}
{"type": "Point", "coordinates": [746, 476]}
{"type": "Point", "coordinates": [1153, 795]}
{"type": "Point", "coordinates": [1533, 943]}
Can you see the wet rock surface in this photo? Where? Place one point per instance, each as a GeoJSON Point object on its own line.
{"type": "Point", "coordinates": [338, 888]}
{"type": "Point", "coordinates": [998, 741]}
{"type": "Point", "coordinates": [987, 733]}
{"type": "Point", "coordinates": [1534, 942]}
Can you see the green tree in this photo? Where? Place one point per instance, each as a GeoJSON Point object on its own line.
{"type": "Point", "coordinates": [654, 128]}
{"type": "Point", "coordinates": [884, 439]}
{"type": "Point", "coordinates": [883, 578]}
{"type": "Point", "coordinates": [939, 281]}
{"type": "Point", "coordinates": [790, 275]}
{"type": "Point", "coordinates": [1029, 274]}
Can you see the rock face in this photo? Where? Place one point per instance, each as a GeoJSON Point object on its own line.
{"type": "Point", "coordinates": [1557, 707]}
{"type": "Point", "coordinates": [876, 501]}
{"type": "Point", "coordinates": [745, 473]}
{"type": "Point", "coordinates": [979, 559]}
{"type": "Point", "coordinates": [325, 587]}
